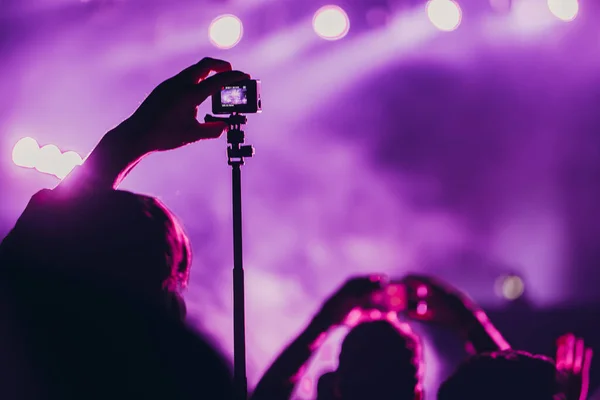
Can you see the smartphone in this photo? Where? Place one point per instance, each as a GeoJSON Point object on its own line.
{"type": "Point", "coordinates": [392, 297]}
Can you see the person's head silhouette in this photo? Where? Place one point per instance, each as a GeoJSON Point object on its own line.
{"type": "Point", "coordinates": [378, 361]}
{"type": "Point", "coordinates": [514, 375]}
{"type": "Point", "coordinates": [127, 240]}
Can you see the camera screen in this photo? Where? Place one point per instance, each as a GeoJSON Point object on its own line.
{"type": "Point", "coordinates": [234, 96]}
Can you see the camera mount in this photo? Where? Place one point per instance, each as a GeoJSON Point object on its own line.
{"type": "Point", "coordinates": [236, 152]}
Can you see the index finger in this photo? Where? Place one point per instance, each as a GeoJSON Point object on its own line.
{"type": "Point", "coordinates": [200, 70]}
{"type": "Point", "coordinates": [215, 83]}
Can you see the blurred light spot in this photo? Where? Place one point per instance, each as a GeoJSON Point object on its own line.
{"type": "Point", "coordinates": [501, 6]}
{"type": "Point", "coordinates": [445, 15]}
{"type": "Point", "coordinates": [422, 308]}
{"type": "Point", "coordinates": [68, 161]}
{"type": "Point", "coordinates": [565, 10]}
{"type": "Point", "coordinates": [375, 315]}
{"type": "Point", "coordinates": [396, 301]}
{"type": "Point", "coordinates": [391, 316]}
{"type": "Point", "coordinates": [511, 287]}
{"type": "Point", "coordinates": [25, 152]}
{"type": "Point", "coordinates": [331, 23]}
{"type": "Point", "coordinates": [353, 317]}
{"type": "Point", "coordinates": [392, 290]}
{"type": "Point", "coordinates": [49, 159]}
{"type": "Point", "coordinates": [225, 31]}
{"type": "Point", "coordinates": [422, 291]}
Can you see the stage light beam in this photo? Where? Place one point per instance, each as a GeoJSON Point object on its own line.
{"type": "Point", "coordinates": [331, 22]}
{"type": "Point", "coordinates": [446, 15]}
{"type": "Point", "coordinates": [225, 31]}
{"type": "Point", "coordinates": [565, 10]}
{"type": "Point", "coordinates": [25, 152]}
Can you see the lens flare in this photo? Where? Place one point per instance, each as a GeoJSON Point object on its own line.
{"type": "Point", "coordinates": [25, 152]}
{"type": "Point", "coordinates": [331, 23]}
{"type": "Point", "coordinates": [566, 10]}
{"type": "Point", "coordinates": [225, 31]}
{"type": "Point", "coordinates": [445, 15]}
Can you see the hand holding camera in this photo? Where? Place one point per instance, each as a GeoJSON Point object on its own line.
{"type": "Point", "coordinates": [167, 118]}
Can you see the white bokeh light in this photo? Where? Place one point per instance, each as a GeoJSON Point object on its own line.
{"type": "Point", "coordinates": [25, 152]}
{"type": "Point", "coordinates": [225, 31]}
{"type": "Point", "coordinates": [49, 159]}
{"type": "Point", "coordinates": [331, 22]}
{"type": "Point", "coordinates": [66, 163]}
{"type": "Point", "coordinates": [445, 15]}
{"type": "Point", "coordinates": [510, 287]}
{"type": "Point", "coordinates": [566, 10]}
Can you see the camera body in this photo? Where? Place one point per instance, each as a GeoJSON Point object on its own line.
{"type": "Point", "coordinates": [242, 98]}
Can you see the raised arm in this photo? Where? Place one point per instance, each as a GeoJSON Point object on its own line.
{"type": "Point", "coordinates": [166, 120]}
{"type": "Point", "coordinates": [446, 305]}
{"type": "Point", "coordinates": [279, 381]}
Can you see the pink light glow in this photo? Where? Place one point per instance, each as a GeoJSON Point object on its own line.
{"type": "Point", "coordinates": [225, 31]}
{"type": "Point", "coordinates": [565, 10]}
{"type": "Point", "coordinates": [445, 15]}
{"type": "Point", "coordinates": [25, 152]}
{"type": "Point", "coordinates": [422, 308]}
{"type": "Point", "coordinates": [331, 22]}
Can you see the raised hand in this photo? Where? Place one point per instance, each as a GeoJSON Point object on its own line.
{"type": "Point", "coordinates": [573, 361]}
{"type": "Point", "coordinates": [167, 118]}
{"type": "Point", "coordinates": [354, 293]}
{"type": "Point", "coordinates": [432, 300]}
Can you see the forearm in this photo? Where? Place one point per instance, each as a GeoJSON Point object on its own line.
{"type": "Point", "coordinates": [280, 379]}
{"type": "Point", "coordinates": [108, 164]}
{"type": "Point", "coordinates": [482, 336]}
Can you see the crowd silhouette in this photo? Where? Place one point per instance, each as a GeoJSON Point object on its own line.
{"type": "Point", "coordinates": [92, 306]}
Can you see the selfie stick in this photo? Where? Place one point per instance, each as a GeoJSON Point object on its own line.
{"type": "Point", "coordinates": [236, 152]}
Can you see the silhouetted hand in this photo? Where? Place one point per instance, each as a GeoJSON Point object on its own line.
{"type": "Point", "coordinates": [167, 118]}
{"type": "Point", "coordinates": [573, 360]}
{"type": "Point", "coordinates": [354, 293]}
{"type": "Point", "coordinates": [432, 300]}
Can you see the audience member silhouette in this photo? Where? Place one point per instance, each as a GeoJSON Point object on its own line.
{"type": "Point", "coordinates": [510, 374]}
{"type": "Point", "coordinates": [365, 368]}
{"type": "Point", "coordinates": [379, 361]}
{"type": "Point", "coordinates": [91, 277]}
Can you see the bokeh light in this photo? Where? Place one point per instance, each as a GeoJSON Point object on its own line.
{"type": "Point", "coordinates": [225, 31]}
{"type": "Point", "coordinates": [49, 158]}
{"type": "Point", "coordinates": [445, 15]}
{"type": "Point", "coordinates": [510, 287]}
{"type": "Point", "coordinates": [331, 22]}
{"type": "Point", "coordinates": [566, 10]}
{"type": "Point", "coordinates": [25, 152]}
{"type": "Point", "coordinates": [66, 163]}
